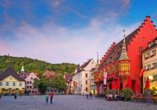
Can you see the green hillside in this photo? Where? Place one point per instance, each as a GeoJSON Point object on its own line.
{"type": "Point", "coordinates": [34, 65]}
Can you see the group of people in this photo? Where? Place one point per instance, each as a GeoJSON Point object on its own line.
{"type": "Point", "coordinates": [47, 98]}
{"type": "Point", "coordinates": [89, 94]}
{"type": "Point", "coordinates": [111, 96]}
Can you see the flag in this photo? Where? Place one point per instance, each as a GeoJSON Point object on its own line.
{"type": "Point", "coordinates": [105, 78]}
{"type": "Point", "coordinates": [74, 83]}
{"type": "Point", "coordinates": [142, 71]}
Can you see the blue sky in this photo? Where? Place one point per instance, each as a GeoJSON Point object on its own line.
{"type": "Point", "coordinates": [71, 31]}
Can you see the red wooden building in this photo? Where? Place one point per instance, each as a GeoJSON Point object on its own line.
{"type": "Point", "coordinates": [124, 58]}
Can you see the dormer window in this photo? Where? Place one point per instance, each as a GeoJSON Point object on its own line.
{"type": "Point", "coordinates": [149, 45]}
{"type": "Point", "coordinates": [143, 39]}
{"type": "Point", "coordinates": [155, 41]}
{"type": "Point", "coordinates": [151, 31]}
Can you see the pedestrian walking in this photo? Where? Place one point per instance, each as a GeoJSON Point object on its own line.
{"type": "Point", "coordinates": [90, 95]}
{"type": "Point", "coordinates": [15, 96]}
{"type": "Point", "coordinates": [87, 93]}
{"type": "Point", "coordinates": [51, 98]}
{"type": "Point", "coordinates": [47, 98]}
{"type": "Point", "coordinates": [148, 97]}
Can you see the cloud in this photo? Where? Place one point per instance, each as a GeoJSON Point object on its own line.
{"type": "Point", "coordinates": [6, 4]}
{"type": "Point", "coordinates": [55, 4]}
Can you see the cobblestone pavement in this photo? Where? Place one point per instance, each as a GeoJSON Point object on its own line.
{"type": "Point", "coordinates": [68, 102]}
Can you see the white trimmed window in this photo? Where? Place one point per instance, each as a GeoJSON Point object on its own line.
{"type": "Point", "coordinates": [20, 84]}
{"type": "Point", "coordinates": [7, 83]}
{"type": "Point", "coordinates": [14, 84]}
{"type": "Point", "coordinates": [1, 83]}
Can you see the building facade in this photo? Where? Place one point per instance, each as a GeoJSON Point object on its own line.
{"type": "Point", "coordinates": [81, 79]}
{"type": "Point", "coordinates": [29, 84]}
{"type": "Point", "coordinates": [149, 62]}
{"type": "Point", "coordinates": [117, 67]}
{"type": "Point", "coordinates": [11, 82]}
{"type": "Point", "coordinates": [68, 79]}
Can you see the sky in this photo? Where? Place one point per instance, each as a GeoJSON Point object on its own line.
{"type": "Point", "coordinates": [72, 31]}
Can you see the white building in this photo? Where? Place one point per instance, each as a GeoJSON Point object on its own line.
{"type": "Point", "coordinates": [82, 76]}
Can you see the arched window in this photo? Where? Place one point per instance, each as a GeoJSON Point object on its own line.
{"type": "Point", "coordinates": [86, 75]}
{"type": "Point", "coordinates": [86, 82]}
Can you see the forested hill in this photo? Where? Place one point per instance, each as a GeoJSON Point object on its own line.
{"type": "Point", "coordinates": [34, 65]}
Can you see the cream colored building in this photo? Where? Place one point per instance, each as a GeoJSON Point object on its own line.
{"type": "Point", "coordinates": [149, 61]}
{"type": "Point", "coordinates": [11, 82]}
{"type": "Point", "coordinates": [82, 76]}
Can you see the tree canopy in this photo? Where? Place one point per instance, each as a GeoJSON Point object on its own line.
{"type": "Point", "coordinates": [41, 84]}
{"type": "Point", "coordinates": [34, 65]}
{"type": "Point", "coordinates": [58, 82]}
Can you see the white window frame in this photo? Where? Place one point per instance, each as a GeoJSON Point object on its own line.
{"type": "Point", "coordinates": [1, 83]}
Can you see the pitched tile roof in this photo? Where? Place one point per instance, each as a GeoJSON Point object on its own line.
{"type": "Point", "coordinates": [10, 71]}
{"type": "Point", "coordinates": [58, 73]}
{"type": "Point", "coordinates": [48, 73]}
{"type": "Point", "coordinates": [115, 52]}
{"type": "Point", "coordinates": [34, 74]}
{"type": "Point", "coordinates": [68, 77]}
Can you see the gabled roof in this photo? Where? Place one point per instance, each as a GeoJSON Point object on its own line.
{"type": "Point", "coordinates": [48, 73]}
{"type": "Point", "coordinates": [34, 74]}
{"type": "Point", "coordinates": [68, 77]}
{"type": "Point", "coordinates": [10, 71]}
{"type": "Point", "coordinates": [83, 66]}
{"type": "Point", "coordinates": [115, 52]}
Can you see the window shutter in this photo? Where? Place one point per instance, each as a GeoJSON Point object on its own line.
{"type": "Point", "coordinates": [154, 52]}
{"type": "Point", "coordinates": [144, 67]}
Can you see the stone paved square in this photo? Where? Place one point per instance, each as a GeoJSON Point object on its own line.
{"type": "Point", "coordinates": [68, 102]}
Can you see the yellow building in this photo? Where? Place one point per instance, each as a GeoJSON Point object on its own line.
{"type": "Point", "coordinates": [11, 82]}
{"type": "Point", "coordinates": [149, 61]}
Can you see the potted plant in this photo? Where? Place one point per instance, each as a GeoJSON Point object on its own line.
{"type": "Point", "coordinates": [127, 93]}
{"type": "Point", "coordinates": [3, 90]}
{"type": "Point", "coordinates": [17, 90]}
{"type": "Point", "coordinates": [9, 91]}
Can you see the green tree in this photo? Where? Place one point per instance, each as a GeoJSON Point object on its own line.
{"type": "Point", "coordinates": [41, 84]}
{"type": "Point", "coordinates": [58, 82]}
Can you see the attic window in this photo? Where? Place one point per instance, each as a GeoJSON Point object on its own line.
{"type": "Point", "coordinates": [143, 39]}
{"type": "Point", "coordinates": [155, 41]}
{"type": "Point", "coordinates": [151, 31]}
{"type": "Point", "coordinates": [10, 78]}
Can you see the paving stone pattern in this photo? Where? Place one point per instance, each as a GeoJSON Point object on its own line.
{"type": "Point", "coordinates": [68, 102]}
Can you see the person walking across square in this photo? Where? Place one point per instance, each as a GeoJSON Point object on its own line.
{"type": "Point", "coordinates": [51, 98]}
{"type": "Point", "coordinates": [46, 97]}
{"type": "Point", "coordinates": [87, 93]}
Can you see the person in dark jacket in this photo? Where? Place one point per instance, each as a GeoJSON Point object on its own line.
{"type": "Point", "coordinates": [15, 96]}
{"type": "Point", "coordinates": [0, 96]}
{"type": "Point", "coordinates": [90, 95]}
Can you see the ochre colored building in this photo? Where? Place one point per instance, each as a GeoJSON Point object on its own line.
{"type": "Point", "coordinates": [149, 61]}
{"type": "Point", "coordinates": [116, 67]}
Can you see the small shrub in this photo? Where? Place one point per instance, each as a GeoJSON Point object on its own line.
{"type": "Point", "coordinates": [127, 92]}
